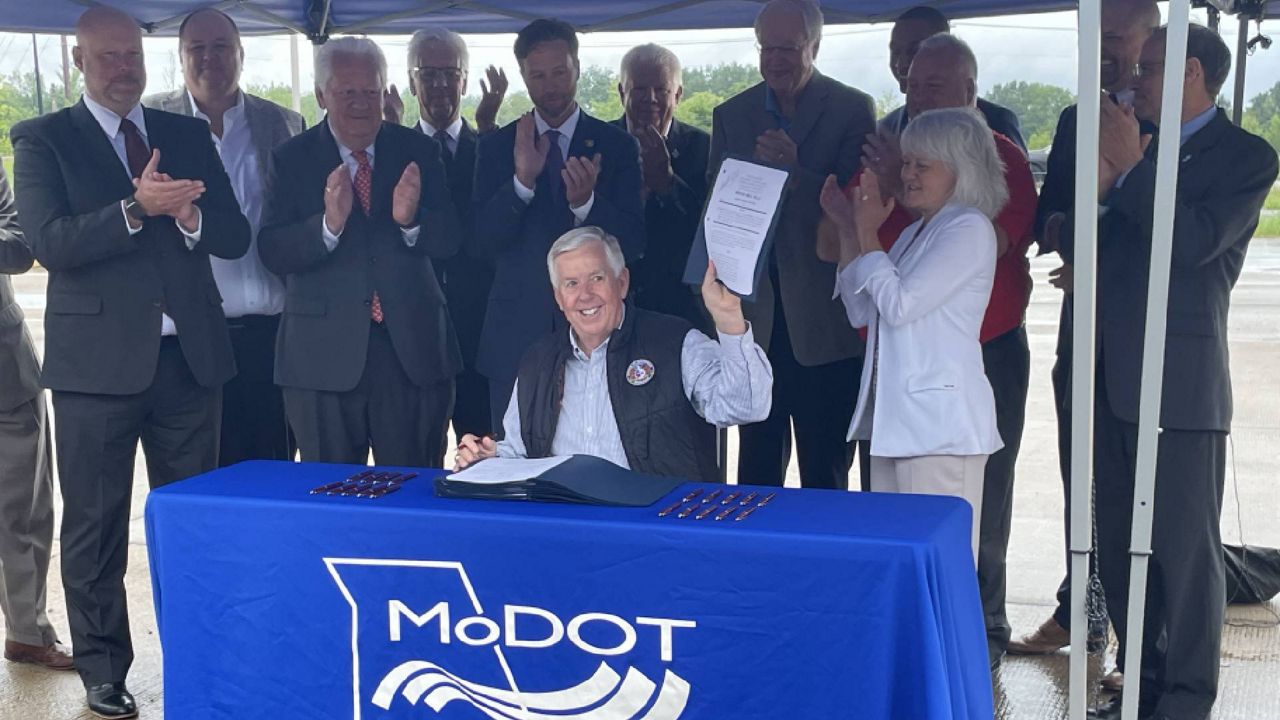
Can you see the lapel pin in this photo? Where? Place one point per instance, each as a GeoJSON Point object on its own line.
{"type": "Point", "coordinates": [589, 143]}
{"type": "Point", "coordinates": [640, 372]}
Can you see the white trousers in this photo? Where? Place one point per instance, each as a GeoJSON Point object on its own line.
{"type": "Point", "coordinates": [956, 475]}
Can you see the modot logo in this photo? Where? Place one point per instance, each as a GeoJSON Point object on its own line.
{"type": "Point", "coordinates": [423, 645]}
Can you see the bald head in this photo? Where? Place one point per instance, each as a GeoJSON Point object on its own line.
{"type": "Point", "coordinates": [108, 53]}
{"type": "Point", "coordinates": [1126, 25]}
{"type": "Point", "coordinates": [943, 74]}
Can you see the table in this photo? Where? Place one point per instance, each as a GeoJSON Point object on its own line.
{"type": "Point", "coordinates": [275, 603]}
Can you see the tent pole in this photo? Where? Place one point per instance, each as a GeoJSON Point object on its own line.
{"type": "Point", "coordinates": [294, 74]}
{"type": "Point", "coordinates": [1089, 85]}
{"type": "Point", "coordinates": [1242, 52]}
{"type": "Point", "coordinates": [35, 55]}
{"type": "Point", "coordinates": [1175, 58]}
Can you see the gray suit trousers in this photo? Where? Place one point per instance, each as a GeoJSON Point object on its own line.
{"type": "Point", "coordinates": [26, 521]}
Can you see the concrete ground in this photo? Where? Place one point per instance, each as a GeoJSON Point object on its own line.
{"type": "Point", "coordinates": [1026, 688]}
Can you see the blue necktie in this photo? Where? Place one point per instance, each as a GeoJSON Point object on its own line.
{"type": "Point", "coordinates": [554, 164]}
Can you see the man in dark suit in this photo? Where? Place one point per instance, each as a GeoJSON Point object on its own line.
{"type": "Point", "coordinates": [356, 211]}
{"type": "Point", "coordinates": [814, 127]}
{"type": "Point", "coordinates": [245, 129]}
{"type": "Point", "coordinates": [912, 28]}
{"type": "Point", "coordinates": [1224, 175]}
{"type": "Point", "coordinates": [673, 158]}
{"type": "Point", "coordinates": [26, 468]}
{"type": "Point", "coordinates": [1126, 25]}
{"type": "Point", "coordinates": [136, 345]}
{"type": "Point", "coordinates": [554, 169]}
{"type": "Point", "coordinates": [438, 62]}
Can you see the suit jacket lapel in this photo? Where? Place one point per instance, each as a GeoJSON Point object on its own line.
{"type": "Point", "coordinates": [261, 132]}
{"type": "Point", "coordinates": [761, 119]}
{"type": "Point", "coordinates": [811, 106]}
{"type": "Point", "coordinates": [98, 148]}
{"type": "Point", "coordinates": [385, 175]}
{"type": "Point", "coordinates": [586, 137]}
{"type": "Point", "coordinates": [1205, 139]}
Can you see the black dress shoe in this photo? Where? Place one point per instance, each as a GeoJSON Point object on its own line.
{"type": "Point", "coordinates": [111, 701]}
{"type": "Point", "coordinates": [1111, 711]}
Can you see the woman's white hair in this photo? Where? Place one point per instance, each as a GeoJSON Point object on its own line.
{"type": "Point", "coordinates": [579, 237]}
{"type": "Point", "coordinates": [348, 45]}
{"type": "Point", "coordinates": [960, 139]}
{"type": "Point", "coordinates": [651, 54]}
{"type": "Point", "coordinates": [440, 35]}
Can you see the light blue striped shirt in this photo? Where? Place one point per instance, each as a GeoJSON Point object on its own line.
{"type": "Point", "coordinates": [729, 382]}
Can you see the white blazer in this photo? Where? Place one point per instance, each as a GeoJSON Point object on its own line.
{"type": "Point", "coordinates": [923, 305]}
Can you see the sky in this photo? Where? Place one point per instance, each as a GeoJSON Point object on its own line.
{"type": "Point", "coordinates": [1034, 48]}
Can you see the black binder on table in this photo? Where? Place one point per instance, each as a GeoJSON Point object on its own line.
{"type": "Point", "coordinates": [580, 479]}
{"type": "Point", "coordinates": [695, 268]}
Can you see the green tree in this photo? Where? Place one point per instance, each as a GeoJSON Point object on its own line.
{"type": "Point", "coordinates": [18, 100]}
{"type": "Point", "coordinates": [1262, 116]}
{"type": "Point", "coordinates": [696, 109]}
{"type": "Point", "coordinates": [725, 80]}
{"type": "Point", "coordinates": [1037, 106]}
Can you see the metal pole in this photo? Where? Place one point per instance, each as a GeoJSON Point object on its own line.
{"type": "Point", "coordinates": [1242, 53]}
{"type": "Point", "coordinates": [1089, 85]}
{"type": "Point", "coordinates": [294, 72]}
{"type": "Point", "coordinates": [35, 53]}
{"type": "Point", "coordinates": [1175, 58]}
{"type": "Point", "coordinates": [66, 71]}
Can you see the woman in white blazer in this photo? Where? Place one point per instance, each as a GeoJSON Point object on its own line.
{"type": "Point", "coordinates": [925, 404]}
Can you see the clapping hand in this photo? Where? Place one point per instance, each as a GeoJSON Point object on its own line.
{"type": "Point", "coordinates": [530, 151]}
{"type": "Point", "coordinates": [338, 197]}
{"type": "Point", "coordinates": [777, 148]}
{"type": "Point", "coordinates": [882, 155]}
{"type": "Point", "coordinates": [580, 176]}
{"type": "Point", "coordinates": [491, 95]}
{"type": "Point", "coordinates": [655, 160]}
{"type": "Point", "coordinates": [159, 194]}
{"type": "Point", "coordinates": [870, 210]}
{"type": "Point", "coordinates": [392, 105]}
{"type": "Point", "coordinates": [404, 199]}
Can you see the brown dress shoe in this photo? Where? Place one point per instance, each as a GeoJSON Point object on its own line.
{"type": "Point", "coordinates": [1047, 638]}
{"type": "Point", "coordinates": [1113, 681]}
{"type": "Point", "coordinates": [54, 657]}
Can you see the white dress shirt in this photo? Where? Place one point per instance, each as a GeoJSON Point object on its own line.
{"type": "Point", "coordinates": [729, 382]}
{"type": "Point", "coordinates": [451, 133]}
{"type": "Point", "coordinates": [110, 123]}
{"type": "Point", "coordinates": [246, 286]}
{"type": "Point", "coordinates": [410, 235]}
{"type": "Point", "coordinates": [566, 130]}
{"type": "Point", "coordinates": [923, 304]}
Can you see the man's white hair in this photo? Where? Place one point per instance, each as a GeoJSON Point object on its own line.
{"type": "Point", "coordinates": [950, 43]}
{"type": "Point", "coordinates": [348, 46]}
{"type": "Point", "coordinates": [960, 139]}
{"type": "Point", "coordinates": [807, 8]}
{"type": "Point", "coordinates": [444, 36]}
{"type": "Point", "coordinates": [651, 54]}
{"type": "Point", "coordinates": [579, 237]}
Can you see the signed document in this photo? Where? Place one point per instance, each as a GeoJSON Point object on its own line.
{"type": "Point", "coordinates": [740, 215]}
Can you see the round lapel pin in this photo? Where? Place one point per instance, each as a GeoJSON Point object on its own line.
{"type": "Point", "coordinates": [639, 372]}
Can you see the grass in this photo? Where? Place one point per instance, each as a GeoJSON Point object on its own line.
{"type": "Point", "coordinates": [1268, 226]}
{"type": "Point", "coordinates": [1273, 199]}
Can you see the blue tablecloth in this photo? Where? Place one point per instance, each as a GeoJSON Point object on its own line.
{"type": "Point", "coordinates": [274, 603]}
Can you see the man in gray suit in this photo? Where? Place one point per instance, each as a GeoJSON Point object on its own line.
{"type": "Point", "coordinates": [26, 468]}
{"type": "Point", "coordinates": [813, 126]}
{"type": "Point", "coordinates": [245, 130]}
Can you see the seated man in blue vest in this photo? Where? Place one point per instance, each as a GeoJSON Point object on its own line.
{"type": "Point", "coordinates": [638, 388]}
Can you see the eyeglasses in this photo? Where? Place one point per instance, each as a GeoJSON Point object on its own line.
{"type": "Point", "coordinates": [431, 74]}
{"type": "Point", "coordinates": [1148, 69]}
{"type": "Point", "coordinates": [765, 50]}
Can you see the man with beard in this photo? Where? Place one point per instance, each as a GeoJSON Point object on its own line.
{"type": "Point", "coordinates": [673, 157]}
{"type": "Point", "coordinates": [245, 129]}
{"type": "Point", "coordinates": [554, 169]}
{"type": "Point", "coordinates": [123, 207]}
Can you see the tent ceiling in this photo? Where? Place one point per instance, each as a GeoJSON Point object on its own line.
{"type": "Point", "coordinates": [161, 17]}
{"type": "Point", "coordinates": [330, 17]}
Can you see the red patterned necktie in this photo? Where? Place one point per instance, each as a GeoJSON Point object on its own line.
{"type": "Point", "coordinates": [363, 184]}
{"type": "Point", "coordinates": [135, 148]}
